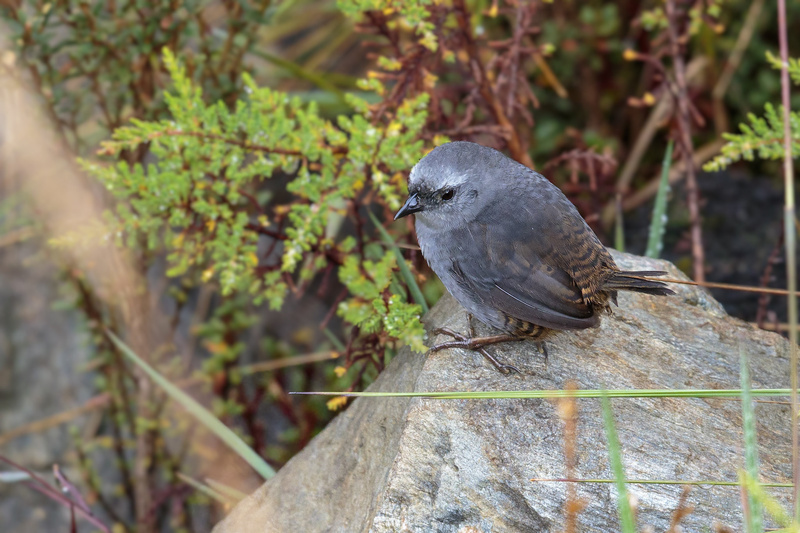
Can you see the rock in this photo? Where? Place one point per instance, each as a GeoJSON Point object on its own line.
{"type": "Point", "coordinates": [401, 464]}
{"type": "Point", "coordinates": [41, 352]}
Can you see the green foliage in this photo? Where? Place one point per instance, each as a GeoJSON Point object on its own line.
{"type": "Point", "coordinates": [793, 66]}
{"type": "Point", "coordinates": [405, 271]}
{"type": "Point", "coordinates": [255, 195]}
{"type": "Point", "coordinates": [413, 13]}
{"type": "Point", "coordinates": [762, 137]}
{"type": "Point", "coordinates": [374, 306]}
{"type": "Point", "coordinates": [656, 18]}
{"type": "Point", "coordinates": [367, 284]}
{"type": "Point", "coordinates": [197, 200]}
{"type": "Point", "coordinates": [97, 63]}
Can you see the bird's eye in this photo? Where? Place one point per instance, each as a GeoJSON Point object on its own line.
{"type": "Point", "coordinates": [448, 194]}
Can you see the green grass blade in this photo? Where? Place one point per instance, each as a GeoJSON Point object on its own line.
{"type": "Point", "coordinates": [205, 489]}
{"type": "Point", "coordinates": [754, 517]}
{"type": "Point", "coordinates": [408, 277]}
{"type": "Point", "coordinates": [627, 522]}
{"type": "Point", "coordinates": [619, 227]}
{"type": "Point", "coordinates": [202, 414]}
{"type": "Point", "coordinates": [339, 345]}
{"type": "Point", "coordinates": [767, 502]}
{"type": "Point", "coordinates": [790, 243]}
{"type": "Point", "coordinates": [230, 492]}
{"type": "Point", "coordinates": [693, 482]}
{"type": "Point", "coordinates": [655, 240]}
{"type": "Point", "coordinates": [582, 393]}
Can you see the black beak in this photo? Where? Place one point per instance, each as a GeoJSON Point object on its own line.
{"type": "Point", "coordinates": [412, 205]}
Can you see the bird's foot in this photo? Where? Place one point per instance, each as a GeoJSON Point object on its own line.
{"type": "Point", "coordinates": [477, 344]}
{"type": "Point", "coordinates": [542, 347]}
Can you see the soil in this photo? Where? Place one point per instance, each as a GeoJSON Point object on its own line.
{"type": "Point", "coordinates": [742, 228]}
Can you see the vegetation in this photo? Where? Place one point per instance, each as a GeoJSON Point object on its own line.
{"type": "Point", "coordinates": [252, 158]}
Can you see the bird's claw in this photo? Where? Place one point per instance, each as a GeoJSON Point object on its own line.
{"type": "Point", "coordinates": [503, 368]}
{"type": "Point", "coordinates": [542, 347]}
{"type": "Point", "coordinates": [474, 344]}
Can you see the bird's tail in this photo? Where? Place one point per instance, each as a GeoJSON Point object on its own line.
{"type": "Point", "coordinates": [638, 282]}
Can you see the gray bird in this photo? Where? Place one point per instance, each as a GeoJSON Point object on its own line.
{"type": "Point", "coordinates": [511, 248]}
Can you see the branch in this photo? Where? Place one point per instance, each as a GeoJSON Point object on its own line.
{"type": "Point", "coordinates": [245, 144]}
{"type": "Point", "coordinates": [515, 147]}
{"type": "Point", "coordinates": [685, 140]}
{"type": "Point", "coordinates": [265, 231]}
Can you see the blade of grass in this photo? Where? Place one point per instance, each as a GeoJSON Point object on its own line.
{"type": "Point", "coordinates": [339, 345]}
{"type": "Point", "coordinates": [655, 239]}
{"type": "Point", "coordinates": [753, 518]}
{"type": "Point", "coordinates": [582, 393]}
{"type": "Point", "coordinates": [619, 227]}
{"type": "Point", "coordinates": [627, 522]}
{"type": "Point", "coordinates": [205, 489]}
{"type": "Point", "coordinates": [770, 504]}
{"type": "Point", "coordinates": [790, 242]}
{"type": "Point", "coordinates": [225, 489]}
{"type": "Point", "coordinates": [295, 360]}
{"type": "Point", "coordinates": [203, 415]}
{"type": "Point", "coordinates": [408, 277]}
{"type": "Point", "coordinates": [700, 482]}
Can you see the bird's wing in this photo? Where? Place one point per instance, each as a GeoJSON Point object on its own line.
{"type": "Point", "coordinates": [532, 266]}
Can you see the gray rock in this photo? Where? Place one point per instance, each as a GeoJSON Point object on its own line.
{"type": "Point", "coordinates": [400, 464]}
{"type": "Point", "coordinates": [41, 352]}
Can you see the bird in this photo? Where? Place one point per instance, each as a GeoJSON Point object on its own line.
{"type": "Point", "coordinates": [511, 248]}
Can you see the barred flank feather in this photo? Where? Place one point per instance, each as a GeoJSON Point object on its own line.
{"type": "Point", "coordinates": [638, 282]}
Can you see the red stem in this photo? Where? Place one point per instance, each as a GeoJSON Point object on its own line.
{"type": "Point", "coordinates": [685, 140]}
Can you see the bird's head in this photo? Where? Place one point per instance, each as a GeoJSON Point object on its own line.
{"type": "Point", "coordinates": [450, 185]}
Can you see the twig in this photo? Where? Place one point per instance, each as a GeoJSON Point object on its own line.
{"type": "Point", "coordinates": [266, 366]}
{"type": "Point", "coordinates": [265, 231]}
{"type": "Point", "coordinates": [16, 235]}
{"type": "Point", "coordinates": [763, 300]}
{"type": "Point", "coordinates": [779, 326]}
{"type": "Point", "coordinates": [683, 510]}
{"type": "Point", "coordinates": [515, 147]}
{"type": "Point", "coordinates": [730, 286]}
{"type": "Point", "coordinates": [45, 488]}
{"type": "Point", "coordinates": [67, 487]}
{"type": "Point", "coordinates": [685, 140]}
{"type": "Point", "coordinates": [735, 58]}
{"type": "Point", "coordinates": [244, 144]}
{"type": "Point", "coordinates": [549, 75]}
{"type": "Point", "coordinates": [568, 412]}
{"type": "Point", "coordinates": [38, 426]}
